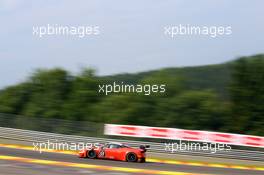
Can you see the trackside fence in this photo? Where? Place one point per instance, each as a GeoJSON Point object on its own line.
{"type": "Point", "coordinates": [15, 127]}
{"type": "Point", "coordinates": [36, 136]}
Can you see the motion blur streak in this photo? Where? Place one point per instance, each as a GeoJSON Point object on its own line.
{"type": "Point", "coordinates": [175, 162]}
{"type": "Point", "coordinates": [89, 166]}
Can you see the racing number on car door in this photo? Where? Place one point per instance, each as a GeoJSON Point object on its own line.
{"type": "Point", "coordinates": [101, 153]}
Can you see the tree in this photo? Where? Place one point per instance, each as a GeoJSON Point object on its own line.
{"type": "Point", "coordinates": [82, 96]}
{"type": "Point", "coordinates": [13, 98]}
{"type": "Point", "coordinates": [247, 95]}
{"type": "Point", "coordinates": [48, 92]}
{"type": "Point", "coordinates": [191, 110]}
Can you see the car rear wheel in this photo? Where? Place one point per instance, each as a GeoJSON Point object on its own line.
{"type": "Point", "coordinates": [91, 154]}
{"type": "Point", "coordinates": [131, 157]}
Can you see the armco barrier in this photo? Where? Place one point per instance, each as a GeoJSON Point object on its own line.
{"type": "Point", "coordinates": [181, 134]}
{"type": "Point", "coordinates": [36, 136]}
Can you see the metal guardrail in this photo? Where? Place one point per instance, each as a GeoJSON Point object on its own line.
{"type": "Point", "coordinates": [52, 125]}
{"type": "Point", "coordinates": [36, 136]}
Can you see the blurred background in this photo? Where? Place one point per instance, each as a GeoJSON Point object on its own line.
{"type": "Point", "coordinates": [51, 83]}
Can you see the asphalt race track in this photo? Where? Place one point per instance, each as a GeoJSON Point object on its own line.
{"type": "Point", "coordinates": [20, 167]}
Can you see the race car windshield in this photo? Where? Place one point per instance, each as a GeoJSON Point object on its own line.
{"type": "Point", "coordinates": [124, 146]}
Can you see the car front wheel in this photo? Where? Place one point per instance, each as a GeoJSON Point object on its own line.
{"type": "Point", "coordinates": [91, 154]}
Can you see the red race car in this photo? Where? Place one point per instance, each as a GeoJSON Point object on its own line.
{"type": "Point", "coordinates": [116, 151]}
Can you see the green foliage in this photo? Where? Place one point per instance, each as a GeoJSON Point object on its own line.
{"type": "Point", "coordinates": [47, 92]}
{"type": "Point", "coordinates": [215, 77]}
{"type": "Point", "coordinates": [205, 97]}
{"type": "Point", "coordinates": [12, 99]}
{"type": "Point", "coordinates": [247, 94]}
{"type": "Point", "coordinates": [192, 109]}
{"type": "Point", "coordinates": [81, 97]}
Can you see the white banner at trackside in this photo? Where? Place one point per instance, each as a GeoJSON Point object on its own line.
{"type": "Point", "coordinates": [182, 134]}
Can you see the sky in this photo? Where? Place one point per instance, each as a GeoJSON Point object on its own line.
{"type": "Point", "coordinates": [131, 35]}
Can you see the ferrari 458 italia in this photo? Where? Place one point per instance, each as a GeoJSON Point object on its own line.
{"type": "Point", "coordinates": [116, 151]}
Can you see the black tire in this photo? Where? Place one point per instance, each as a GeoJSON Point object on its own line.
{"type": "Point", "coordinates": [131, 157]}
{"type": "Point", "coordinates": [91, 154]}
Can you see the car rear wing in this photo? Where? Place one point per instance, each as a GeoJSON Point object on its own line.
{"type": "Point", "coordinates": [144, 147]}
